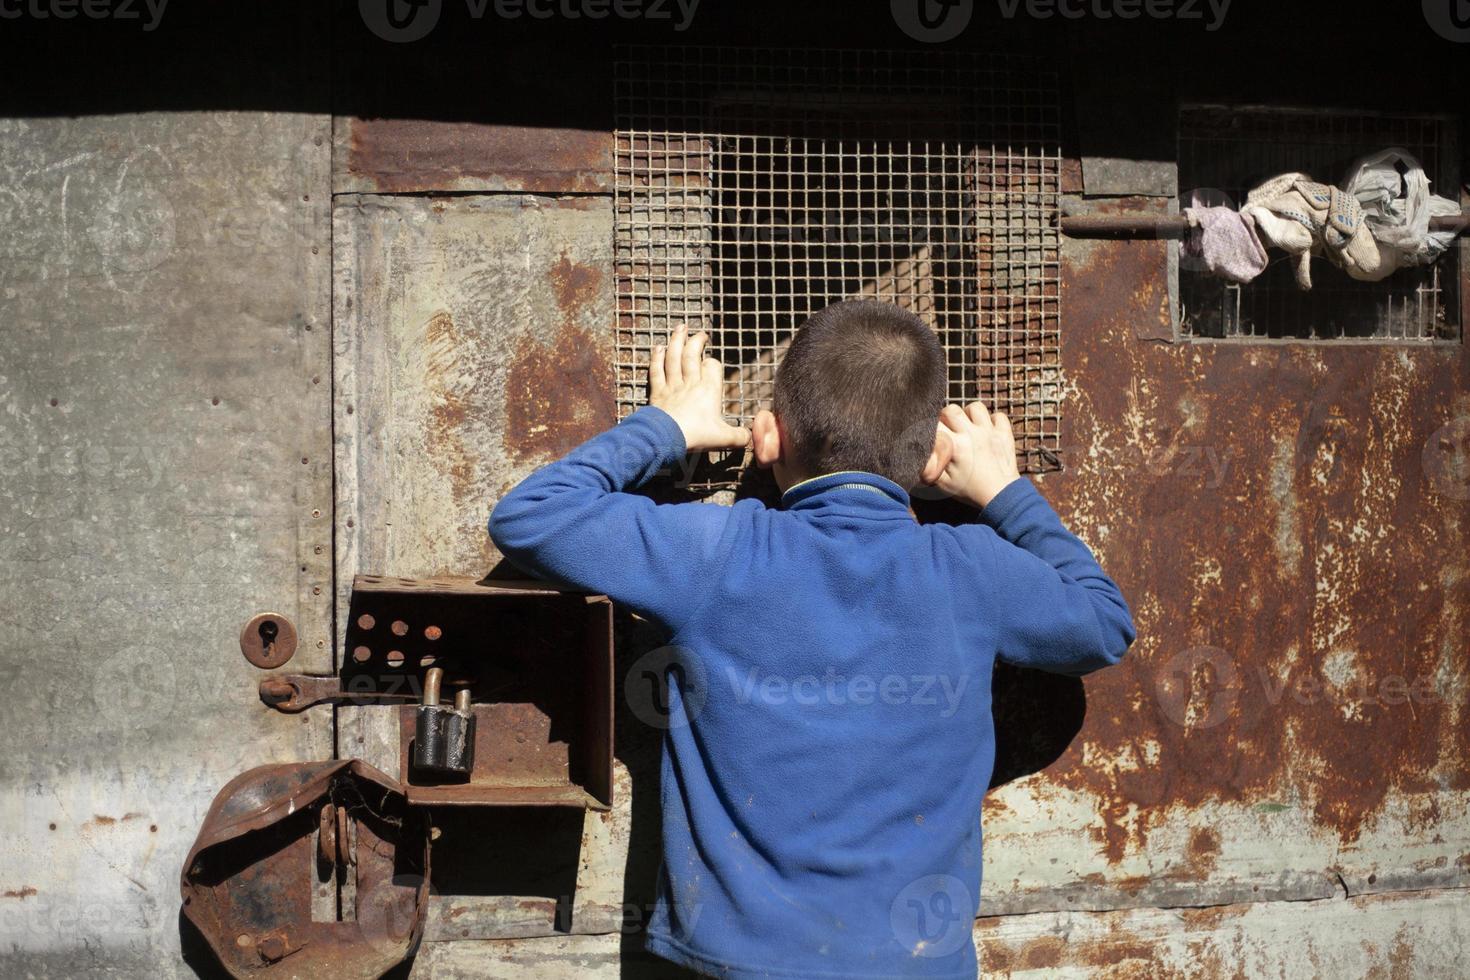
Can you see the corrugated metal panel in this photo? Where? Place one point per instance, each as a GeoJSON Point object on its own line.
{"type": "Point", "coordinates": [167, 473]}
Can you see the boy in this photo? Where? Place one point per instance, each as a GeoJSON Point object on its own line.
{"type": "Point", "coordinates": [830, 736]}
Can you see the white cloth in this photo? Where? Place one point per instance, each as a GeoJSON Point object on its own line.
{"type": "Point", "coordinates": [1393, 191]}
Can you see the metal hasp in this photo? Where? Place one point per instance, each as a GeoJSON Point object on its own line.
{"type": "Point", "coordinates": [444, 735]}
{"type": "Point", "coordinates": [534, 662]}
{"type": "Point", "coordinates": [261, 883]}
{"type": "Point", "coordinates": [292, 693]}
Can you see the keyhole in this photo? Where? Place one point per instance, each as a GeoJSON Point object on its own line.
{"type": "Point", "coordinates": [268, 630]}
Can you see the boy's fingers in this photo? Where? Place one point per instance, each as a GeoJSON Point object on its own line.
{"type": "Point", "coordinates": [656, 371]}
{"type": "Point", "coordinates": [739, 437]}
{"type": "Point", "coordinates": [674, 356]}
{"type": "Point", "coordinates": [978, 414]}
{"type": "Point", "coordinates": [954, 417]}
{"type": "Point", "coordinates": [693, 354]}
{"type": "Point", "coordinates": [712, 371]}
{"type": "Point", "coordinates": [1002, 424]}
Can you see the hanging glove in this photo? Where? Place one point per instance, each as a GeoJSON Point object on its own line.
{"type": "Point", "coordinates": [1304, 217]}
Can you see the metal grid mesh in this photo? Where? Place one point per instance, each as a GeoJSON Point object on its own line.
{"type": "Point", "coordinates": [756, 186]}
{"type": "Point", "coordinates": [1232, 148]}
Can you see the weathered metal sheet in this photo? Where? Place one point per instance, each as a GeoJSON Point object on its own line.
{"type": "Point", "coordinates": [396, 156]}
{"type": "Point", "coordinates": [166, 460]}
{"type": "Point", "coordinates": [1425, 936]}
{"type": "Point", "coordinates": [1293, 714]}
{"type": "Point", "coordinates": [473, 344]}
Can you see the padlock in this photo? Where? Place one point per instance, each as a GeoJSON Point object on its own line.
{"type": "Point", "coordinates": [444, 735]}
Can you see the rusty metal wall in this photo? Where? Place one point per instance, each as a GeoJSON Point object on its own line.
{"type": "Point", "coordinates": [166, 460]}
{"type": "Point", "coordinates": [1291, 721]}
{"type": "Point", "coordinates": [1287, 737]}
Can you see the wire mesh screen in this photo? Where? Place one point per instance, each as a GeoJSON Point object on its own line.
{"type": "Point", "coordinates": [756, 186]}
{"type": "Point", "coordinates": [1230, 149]}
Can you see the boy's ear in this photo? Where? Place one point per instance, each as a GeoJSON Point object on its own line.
{"type": "Point", "coordinates": [765, 438]}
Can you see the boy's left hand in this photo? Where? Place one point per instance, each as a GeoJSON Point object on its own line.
{"type": "Point", "coordinates": [691, 388]}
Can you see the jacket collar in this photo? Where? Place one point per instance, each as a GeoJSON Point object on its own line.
{"type": "Point", "coordinates": [853, 486]}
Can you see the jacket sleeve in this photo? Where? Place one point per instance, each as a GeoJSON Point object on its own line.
{"type": "Point", "coordinates": [1055, 608]}
{"type": "Point", "coordinates": [572, 522]}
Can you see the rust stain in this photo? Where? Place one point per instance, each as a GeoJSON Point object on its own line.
{"type": "Point", "coordinates": [22, 893]}
{"type": "Point", "coordinates": [1267, 502]}
{"type": "Point", "coordinates": [1204, 850]}
{"type": "Point", "coordinates": [577, 286]}
{"type": "Point", "coordinates": [557, 395]}
{"type": "Point", "coordinates": [1041, 953]}
{"type": "Point", "coordinates": [396, 156]}
{"type": "Point", "coordinates": [449, 408]}
{"type": "Point", "coordinates": [103, 820]}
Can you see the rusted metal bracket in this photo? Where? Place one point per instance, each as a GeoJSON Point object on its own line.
{"type": "Point", "coordinates": [1174, 226]}
{"type": "Point", "coordinates": [533, 666]}
{"type": "Point", "coordinates": [279, 837]}
{"type": "Point", "coordinates": [292, 693]}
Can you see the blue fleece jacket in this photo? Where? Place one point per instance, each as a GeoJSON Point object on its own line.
{"type": "Point", "coordinates": [829, 735]}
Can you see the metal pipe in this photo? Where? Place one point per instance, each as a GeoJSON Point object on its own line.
{"type": "Point", "coordinates": [1167, 226]}
{"type": "Point", "coordinates": [462, 700]}
{"type": "Point", "coordinates": [432, 680]}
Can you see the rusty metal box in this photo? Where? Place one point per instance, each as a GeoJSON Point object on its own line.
{"type": "Point", "coordinates": [538, 662]}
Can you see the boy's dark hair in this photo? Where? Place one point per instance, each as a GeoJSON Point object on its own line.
{"type": "Point", "coordinates": [860, 388]}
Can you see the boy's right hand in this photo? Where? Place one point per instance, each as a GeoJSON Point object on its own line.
{"type": "Point", "coordinates": [974, 455]}
{"type": "Point", "coordinates": [691, 388]}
